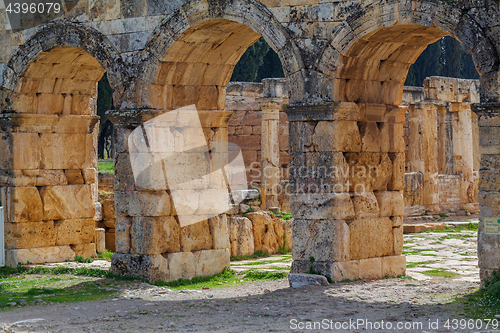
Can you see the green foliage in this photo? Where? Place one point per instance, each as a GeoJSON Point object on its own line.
{"type": "Point", "coordinates": [442, 58]}
{"type": "Point", "coordinates": [82, 259]}
{"type": "Point", "coordinates": [264, 275]}
{"type": "Point", "coordinates": [271, 67]}
{"type": "Point", "coordinates": [469, 226]}
{"type": "Point", "coordinates": [443, 215]}
{"type": "Point", "coordinates": [247, 68]}
{"type": "Point", "coordinates": [258, 254]}
{"type": "Point", "coordinates": [313, 271]}
{"type": "Point", "coordinates": [106, 255]}
{"type": "Point", "coordinates": [106, 166]}
{"type": "Point", "coordinates": [440, 272]}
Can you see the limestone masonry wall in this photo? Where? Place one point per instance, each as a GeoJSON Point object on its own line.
{"type": "Point", "coordinates": [245, 126]}
{"type": "Point", "coordinates": [245, 130]}
{"type": "Point", "coordinates": [345, 64]}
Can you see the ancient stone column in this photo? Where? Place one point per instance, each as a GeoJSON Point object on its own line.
{"type": "Point", "coordinates": [489, 189]}
{"type": "Point", "coordinates": [445, 141]}
{"type": "Point", "coordinates": [422, 148]}
{"type": "Point", "coordinates": [270, 148]}
{"type": "Point", "coordinates": [463, 155]}
{"type": "Point", "coordinates": [48, 172]}
{"type": "Point", "coordinates": [151, 241]}
{"type": "Point", "coordinates": [346, 181]}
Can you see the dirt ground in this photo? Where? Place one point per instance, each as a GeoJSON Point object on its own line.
{"type": "Point", "coordinates": [421, 303]}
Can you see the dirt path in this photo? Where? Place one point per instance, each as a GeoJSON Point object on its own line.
{"type": "Point", "coordinates": [271, 306]}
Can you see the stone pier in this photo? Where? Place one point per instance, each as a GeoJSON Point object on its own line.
{"type": "Point", "coordinates": [150, 240]}
{"type": "Point", "coordinates": [488, 246]}
{"type": "Point", "coordinates": [347, 178]}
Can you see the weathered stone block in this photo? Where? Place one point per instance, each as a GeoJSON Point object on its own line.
{"type": "Point", "coordinates": [48, 177]}
{"type": "Point", "coordinates": [154, 203]}
{"type": "Point", "coordinates": [397, 182]}
{"type": "Point", "coordinates": [38, 255]}
{"type": "Point", "coordinates": [123, 236]}
{"type": "Point", "coordinates": [110, 223]}
{"type": "Point", "coordinates": [319, 172]}
{"type": "Point", "coordinates": [62, 151]}
{"type": "Point", "coordinates": [110, 238]}
{"type": "Point", "coordinates": [67, 202]}
{"type": "Point", "coordinates": [368, 171]}
{"type": "Point", "coordinates": [85, 250]}
{"type": "Point", "coordinates": [74, 176]}
{"type": "Point", "coordinates": [29, 235]}
{"type": "Point", "coordinates": [74, 231]}
{"type": "Point", "coordinates": [397, 221]}
{"type": "Point", "coordinates": [325, 240]}
{"type": "Point", "coordinates": [288, 235]}
{"type": "Point", "coordinates": [22, 204]}
{"type": "Point", "coordinates": [108, 209]}
{"type": "Point", "coordinates": [89, 175]}
{"type": "Point", "coordinates": [394, 265]}
{"type": "Point", "coordinates": [151, 267]}
{"type": "Point", "coordinates": [181, 265]}
{"type": "Point", "coordinates": [99, 240]}
{"type": "Point", "coordinates": [322, 206]}
{"type": "Point", "coordinates": [264, 234]}
{"type": "Point", "coordinates": [298, 280]}
{"type": "Point", "coordinates": [196, 237]}
{"type": "Point", "coordinates": [391, 203]}
{"type": "Point", "coordinates": [392, 138]}
{"type": "Point", "coordinates": [488, 249]}
{"type": "Point", "coordinates": [372, 237]}
{"type": "Point", "coordinates": [211, 262]}
{"type": "Point", "coordinates": [365, 205]}
{"type": "Point", "coordinates": [370, 136]}
{"type": "Point", "coordinates": [398, 239]}
{"type": "Point", "coordinates": [219, 230]}
{"type": "Point", "coordinates": [346, 270]}
{"type": "Point", "coordinates": [26, 151]}
{"type": "Point", "coordinates": [341, 136]}
{"type": "Point", "coordinates": [153, 235]}
{"type": "Point", "coordinates": [241, 236]}
{"type": "Point", "coordinates": [370, 268]}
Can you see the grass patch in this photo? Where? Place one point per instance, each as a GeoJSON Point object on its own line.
{"type": "Point", "coordinates": [440, 272]}
{"type": "Point", "coordinates": [258, 254]}
{"type": "Point", "coordinates": [470, 226]}
{"type": "Point", "coordinates": [264, 262]}
{"type": "Point", "coordinates": [106, 166]}
{"type": "Point", "coordinates": [55, 284]}
{"type": "Point", "coordinates": [282, 215]}
{"type": "Point", "coordinates": [415, 264]}
{"type": "Point", "coordinates": [83, 260]}
{"type": "Point", "coordinates": [418, 252]}
{"type": "Point", "coordinates": [226, 277]}
{"type": "Point", "coordinates": [106, 255]}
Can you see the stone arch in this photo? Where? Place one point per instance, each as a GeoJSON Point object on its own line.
{"type": "Point", "coordinates": [57, 38]}
{"type": "Point", "coordinates": [48, 149]}
{"type": "Point", "coordinates": [182, 43]}
{"type": "Point", "coordinates": [369, 54]}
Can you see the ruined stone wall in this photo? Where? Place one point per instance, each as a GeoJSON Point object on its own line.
{"type": "Point", "coordinates": [244, 128]}
{"type": "Point", "coordinates": [441, 137]}
{"type": "Point", "coordinates": [345, 64]}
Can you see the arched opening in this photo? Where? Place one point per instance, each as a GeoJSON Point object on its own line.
{"type": "Point", "coordinates": [374, 68]}
{"type": "Point", "coordinates": [369, 75]}
{"type": "Point", "coordinates": [199, 64]}
{"type": "Point", "coordinates": [49, 153]}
